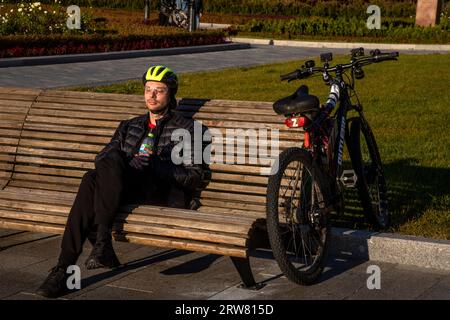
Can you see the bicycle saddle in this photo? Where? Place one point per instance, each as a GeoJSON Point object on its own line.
{"type": "Point", "coordinates": [299, 102]}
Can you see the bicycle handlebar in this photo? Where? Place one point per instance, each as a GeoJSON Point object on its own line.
{"type": "Point", "coordinates": [375, 57]}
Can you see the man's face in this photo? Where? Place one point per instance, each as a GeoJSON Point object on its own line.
{"type": "Point", "coordinates": [156, 96]}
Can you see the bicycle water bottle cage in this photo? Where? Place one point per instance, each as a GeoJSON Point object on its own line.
{"type": "Point", "coordinates": [299, 102]}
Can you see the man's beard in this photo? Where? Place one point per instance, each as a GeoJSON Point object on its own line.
{"type": "Point", "coordinates": [161, 112]}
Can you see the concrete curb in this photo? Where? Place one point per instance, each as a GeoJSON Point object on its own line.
{"type": "Point", "coordinates": [343, 45]}
{"type": "Point", "coordinates": [392, 248]}
{"type": "Point", "coordinates": [71, 58]}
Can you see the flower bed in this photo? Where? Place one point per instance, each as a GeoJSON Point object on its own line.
{"type": "Point", "coordinates": [25, 45]}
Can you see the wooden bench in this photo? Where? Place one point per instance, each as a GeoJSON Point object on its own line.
{"type": "Point", "coordinates": [48, 139]}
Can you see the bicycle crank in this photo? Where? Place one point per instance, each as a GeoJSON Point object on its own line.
{"type": "Point", "coordinates": [348, 178]}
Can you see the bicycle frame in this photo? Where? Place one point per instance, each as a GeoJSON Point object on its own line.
{"type": "Point", "coordinates": [338, 95]}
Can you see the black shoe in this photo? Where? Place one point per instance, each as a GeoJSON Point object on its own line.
{"type": "Point", "coordinates": [55, 285]}
{"type": "Point", "coordinates": [102, 255]}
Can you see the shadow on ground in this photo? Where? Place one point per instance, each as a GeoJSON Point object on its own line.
{"type": "Point", "coordinates": [412, 190]}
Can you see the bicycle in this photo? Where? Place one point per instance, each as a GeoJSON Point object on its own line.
{"type": "Point", "coordinates": [309, 181]}
{"type": "Point", "coordinates": [171, 15]}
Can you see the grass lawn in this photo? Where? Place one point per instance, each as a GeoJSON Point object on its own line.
{"type": "Point", "coordinates": [406, 103]}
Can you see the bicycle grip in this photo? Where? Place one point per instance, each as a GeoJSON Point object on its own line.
{"type": "Point", "coordinates": [385, 56]}
{"type": "Point", "coordinates": [290, 76]}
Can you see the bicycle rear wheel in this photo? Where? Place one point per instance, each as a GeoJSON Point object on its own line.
{"type": "Point", "coordinates": [371, 183]}
{"type": "Point", "coordinates": [297, 222]}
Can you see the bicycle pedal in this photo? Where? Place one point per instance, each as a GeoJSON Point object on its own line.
{"type": "Point", "coordinates": [348, 178]}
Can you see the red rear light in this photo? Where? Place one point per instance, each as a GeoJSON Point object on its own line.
{"type": "Point", "coordinates": [306, 141]}
{"type": "Point", "coordinates": [296, 122]}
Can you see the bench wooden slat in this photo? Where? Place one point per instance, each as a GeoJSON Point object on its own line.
{"type": "Point", "coordinates": [6, 166]}
{"type": "Point", "coordinates": [248, 189]}
{"type": "Point", "coordinates": [15, 133]}
{"type": "Point", "coordinates": [266, 119]}
{"type": "Point", "coordinates": [242, 124]}
{"type": "Point", "coordinates": [50, 171]}
{"type": "Point", "coordinates": [55, 162]}
{"type": "Point", "coordinates": [219, 205]}
{"type": "Point", "coordinates": [35, 226]}
{"type": "Point", "coordinates": [47, 179]}
{"type": "Point", "coordinates": [49, 128]}
{"type": "Point", "coordinates": [83, 123]}
{"type": "Point", "coordinates": [13, 117]}
{"type": "Point", "coordinates": [28, 134]}
{"type": "Point", "coordinates": [64, 95]}
{"type": "Point", "coordinates": [191, 245]}
{"type": "Point", "coordinates": [8, 124]}
{"type": "Point", "coordinates": [90, 101]}
{"type": "Point", "coordinates": [7, 157]}
{"type": "Point", "coordinates": [76, 116]}
{"type": "Point", "coordinates": [232, 196]}
{"type": "Point", "coordinates": [227, 110]}
{"type": "Point", "coordinates": [61, 145]}
{"type": "Point", "coordinates": [80, 107]}
{"type": "Point", "coordinates": [8, 149]}
{"type": "Point", "coordinates": [14, 106]}
{"type": "Point", "coordinates": [43, 186]}
{"type": "Point", "coordinates": [56, 154]}
{"type": "Point", "coordinates": [243, 178]}
{"type": "Point", "coordinates": [11, 91]}
{"type": "Point", "coordinates": [5, 174]}
{"type": "Point", "coordinates": [13, 141]}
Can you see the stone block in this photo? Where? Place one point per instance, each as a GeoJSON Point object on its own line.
{"type": "Point", "coordinates": [427, 12]}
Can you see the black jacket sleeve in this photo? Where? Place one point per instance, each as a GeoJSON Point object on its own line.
{"type": "Point", "coordinates": [189, 176]}
{"type": "Point", "coordinates": [116, 141]}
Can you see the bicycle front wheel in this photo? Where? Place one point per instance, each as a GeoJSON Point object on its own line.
{"type": "Point", "coordinates": [297, 221]}
{"type": "Point", "coordinates": [371, 182]}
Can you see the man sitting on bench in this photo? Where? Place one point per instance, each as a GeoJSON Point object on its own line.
{"type": "Point", "coordinates": [134, 168]}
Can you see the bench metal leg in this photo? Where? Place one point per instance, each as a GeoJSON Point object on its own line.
{"type": "Point", "coordinates": [243, 267]}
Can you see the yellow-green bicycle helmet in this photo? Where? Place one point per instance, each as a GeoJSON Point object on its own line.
{"type": "Point", "coordinates": [162, 74]}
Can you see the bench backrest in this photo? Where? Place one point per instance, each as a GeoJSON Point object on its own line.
{"type": "Point", "coordinates": [14, 106]}
{"type": "Point", "coordinates": [63, 131]}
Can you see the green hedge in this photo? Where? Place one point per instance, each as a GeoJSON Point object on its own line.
{"type": "Point", "coordinates": [391, 29]}
{"type": "Point", "coordinates": [20, 46]}
{"type": "Point", "coordinates": [323, 8]}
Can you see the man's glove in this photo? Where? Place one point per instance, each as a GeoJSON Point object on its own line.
{"type": "Point", "coordinates": [139, 162]}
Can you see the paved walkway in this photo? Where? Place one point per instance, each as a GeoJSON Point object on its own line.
{"type": "Point", "coordinates": [113, 71]}
{"type": "Point", "coordinates": [154, 273]}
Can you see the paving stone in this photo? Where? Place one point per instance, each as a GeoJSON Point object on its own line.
{"type": "Point", "coordinates": [14, 261]}
{"type": "Point", "coordinates": [110, 292]}
{"type": "Point", "coordinates": [440, 291]}
{"type": "Point", "coordinates": [17, 281]}
{"type": "Point", "coordinates": [400, 283]}
{"type": "Point", "coordinates": [47, 248]}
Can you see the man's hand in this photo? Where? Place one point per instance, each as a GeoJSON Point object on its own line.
{"type": "Point", "coordinates": [140, 161]}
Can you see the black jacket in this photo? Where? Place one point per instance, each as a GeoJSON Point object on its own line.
{"type": "Point", "coordinates": [128, 138]}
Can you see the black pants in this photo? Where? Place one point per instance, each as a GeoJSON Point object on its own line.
{"type": "Point", "coordinates": [102, 191]}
